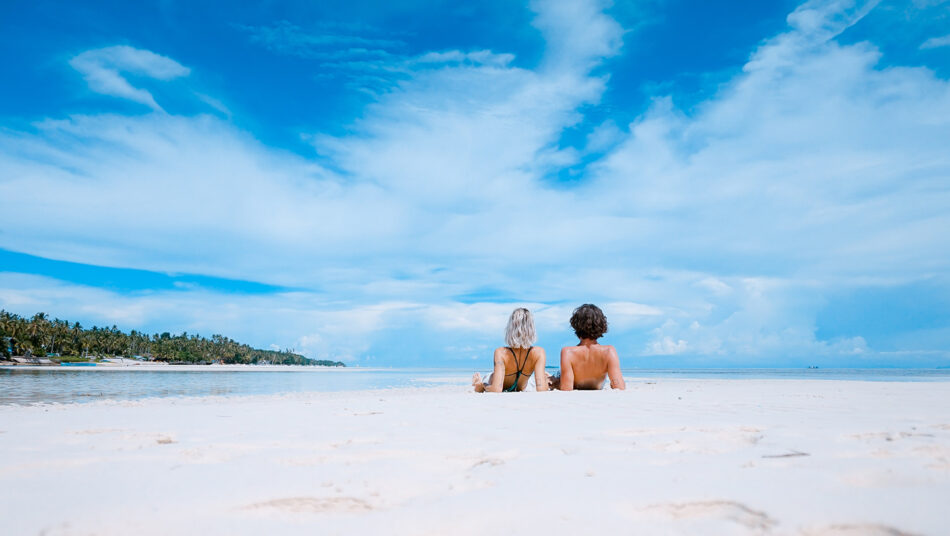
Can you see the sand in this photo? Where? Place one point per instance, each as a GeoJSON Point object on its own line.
{"type": "Point", "coordinates": [797, 457]}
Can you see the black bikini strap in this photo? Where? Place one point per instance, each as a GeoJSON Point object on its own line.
{"type": "Point", "coordinates": [515, 356]}
{"type": "Point", "coordinates": [521, 368]}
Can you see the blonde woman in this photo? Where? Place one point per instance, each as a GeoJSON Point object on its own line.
{"type": "Point", "coordinates": [515, 363]}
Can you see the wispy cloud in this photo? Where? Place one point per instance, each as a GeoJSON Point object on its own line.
{"type": "Point", "coordinates": [478, 57]}
{"type": "Point", "coordinates": [579, 35]}
{"type": "Point", "coordinates": [356, 55]}
{"type": "Point", "coordinates": [304, 321]}
{"type": "Point", "coordinates": [936, 42]}
{"type": "Point", "coordinates": [104, 70]}
{"type": "Point", "coordinates": [284, 37]}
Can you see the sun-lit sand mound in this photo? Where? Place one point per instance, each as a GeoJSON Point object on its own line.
{"type": "Point", "coordinates": [665, 457]}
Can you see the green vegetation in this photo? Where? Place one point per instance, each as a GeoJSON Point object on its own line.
{"type": "Point", "coordinates": [41, 336]}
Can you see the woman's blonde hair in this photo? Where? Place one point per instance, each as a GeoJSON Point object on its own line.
{"type": "Point", "coordinates": [520, 331]}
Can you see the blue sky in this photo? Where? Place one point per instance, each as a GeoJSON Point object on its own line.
{"type": "Point", "coordinates": [736, 183]}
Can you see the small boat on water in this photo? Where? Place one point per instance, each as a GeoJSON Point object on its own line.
{"type": "Point", "coordinates": [77, 364]}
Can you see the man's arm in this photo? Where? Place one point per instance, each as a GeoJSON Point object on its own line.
{"type": "Point", "coordinates": [613, 370]}
{"type": "Point", "coordinates": [498, 376]}
{"type": "Point", "coordinates": [540, 375]}
{"type": "Point", "coordinates": [567, 373]}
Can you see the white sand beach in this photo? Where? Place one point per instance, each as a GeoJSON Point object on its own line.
{"type": "Point", "coordinates": [796, 457]}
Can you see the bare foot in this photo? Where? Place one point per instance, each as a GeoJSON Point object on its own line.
{"type": "Point", "coordinates": [477, 383]}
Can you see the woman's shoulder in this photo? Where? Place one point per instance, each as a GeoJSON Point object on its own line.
{"type": "Point", "coordinates": [500, 353]}
{"type": "Point", "coordinates": [536, 352]}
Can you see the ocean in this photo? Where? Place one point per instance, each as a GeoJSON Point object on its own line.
{"type": "Point", "coordinates": [25, 386]}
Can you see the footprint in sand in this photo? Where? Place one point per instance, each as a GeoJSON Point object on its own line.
{"type": "Point", "coordinates": [789, 454]}
{"type": "Point", "coordinates": [98, 431]}
{"type": "Point", "coordinates": [855, 530]}
{"type": "Point", "coordinates": [488, 461]}
{"type": "Point", "coordinates": [313, 505]}
{"type": "Point", "coordinates": [889, 436]}
{"type": "Point", "coordinates": [724, 510]}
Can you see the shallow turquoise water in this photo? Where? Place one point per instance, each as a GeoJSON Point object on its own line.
{"type": "Point", "coordinates": [80, 384]}
{"type": "Point", "coordinates": [84, 384]}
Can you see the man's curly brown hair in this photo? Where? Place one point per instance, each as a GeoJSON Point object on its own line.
{"type": "Point", "coordinates": [589, 322]}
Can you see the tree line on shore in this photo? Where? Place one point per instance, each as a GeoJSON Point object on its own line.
{"type": "Point", "coordinates": [41, 336]}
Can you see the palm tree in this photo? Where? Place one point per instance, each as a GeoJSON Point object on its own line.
{"type": "Point", "coordinates": [38, 334]}
{"type": "Point", "coordinates": [37, 328]}
{"type": "Point", "coordinates": [57, 329]}
{"type": "Point", "coordinates": [76, 333]}
{"type": "Point", "coordinates": [9, 326]}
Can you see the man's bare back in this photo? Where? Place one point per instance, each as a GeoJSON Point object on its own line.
{"type": "Point", "coordinates": [586, 365]}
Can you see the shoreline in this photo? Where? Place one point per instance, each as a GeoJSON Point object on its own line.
{"type": "Point", "coordinates": [447, 387]}
{"type": "Point", "coordinates": [816, 372]}
{"type": "Point", "coordinates": [154, 367]}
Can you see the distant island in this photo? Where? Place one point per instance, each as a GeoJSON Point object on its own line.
{"type": "Point", "coordinates": [63, 341]}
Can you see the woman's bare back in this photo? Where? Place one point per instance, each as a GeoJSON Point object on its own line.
{"type": "Point", "coordinates": [508, 361]}
{"type": "Point", "coordinates": [515, 359]}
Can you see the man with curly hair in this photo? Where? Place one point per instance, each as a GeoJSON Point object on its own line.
{"type": "Point", "coordinates": [586, 365]}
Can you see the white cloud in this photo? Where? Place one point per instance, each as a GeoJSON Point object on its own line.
{"type": "Point", "coordinates": [807, 162]}
{"type": "Point", "coordinates": [715, 285]}
{"type": "Point", "coordinates": [483, 57]}
{"type": "Point", "coordinates": [667, 346]}
{"type": "Point", "coordinates": [214, 104]}
{"type": "Point", "coordinates": [820, 20]}
{"type": "Point", "coordinates": [936, 42]}
{"type": "Point", "coordinates": [103, 70]}
{"type": "Point", "coordinates": [302, 321]}
{"type": "Point", "coordinates": [579, 35]}
{"type": "Point", "coordinates": [758, 318]}
{"type": "Point", "coordinates": [284, 37]}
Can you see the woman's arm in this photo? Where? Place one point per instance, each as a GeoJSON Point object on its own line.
{"type": "Point", "coordinates": [498, 376]}
{"type": "Point", "coordinates": [567, 373]}
{"type": "Point", "coordinates": [613, 370]}
{"type": "Point", "coordinates": [540, 375]}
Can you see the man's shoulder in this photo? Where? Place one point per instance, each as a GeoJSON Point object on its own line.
{"type": "Point", "coordinates": [573, 353]}
{"type": "Point", "coordinates": [608, 352]}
